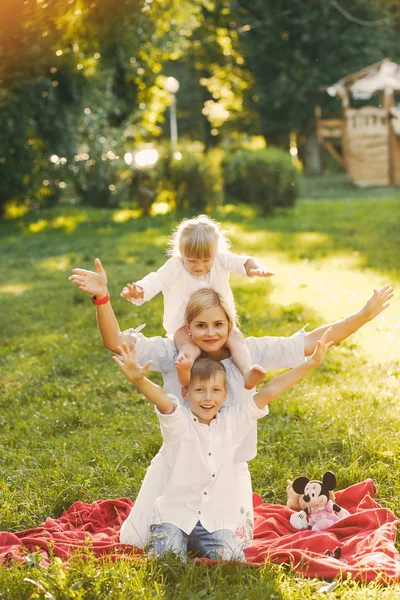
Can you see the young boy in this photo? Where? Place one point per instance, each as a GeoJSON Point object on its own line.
{"type": "Point", "coordinates": [197, 510]}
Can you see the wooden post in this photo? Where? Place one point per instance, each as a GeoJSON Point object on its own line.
{"type": "Point", "coordinates": [388, 102]}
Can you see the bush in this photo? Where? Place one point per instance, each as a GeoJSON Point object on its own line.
{"type": "Point", "coordinates": [264, 178]}
{"type": "Point", "coordinates": [196, 182]}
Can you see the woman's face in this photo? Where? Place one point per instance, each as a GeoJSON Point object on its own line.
{"type": "Point", "coordinates": [210, 330]}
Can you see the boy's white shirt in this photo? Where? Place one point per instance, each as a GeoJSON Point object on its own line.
{"type": "Point", "coordinates": [199, 467]}
{"type": "Point", "coordinates": [271, 353]}
{"type": "Point", "coordinates": [177, 285]}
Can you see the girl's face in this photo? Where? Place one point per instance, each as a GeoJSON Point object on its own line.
{"type": "Point", "coordinates": [210, 330]}
{"type": "Point", "coordinates": [198, 266]}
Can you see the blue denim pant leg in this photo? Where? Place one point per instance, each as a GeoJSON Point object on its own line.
{"type": "Point", "coordinates": [218, 545]}
{"type": "Point", "coordinates": [164, 538]}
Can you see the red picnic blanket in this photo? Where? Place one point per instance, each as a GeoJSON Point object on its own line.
{"type": "Point", "coordinates": [365, 538]}
{"type": "Point", "coordinates": [93, 526]}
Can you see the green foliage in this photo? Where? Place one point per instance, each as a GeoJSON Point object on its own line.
{"type": "Point", "coordinates": [81, 82]}
{"type": "Point", "coordinates": [392, 9]}
{"type": "Point", "coordinates": [215, 59]}
{"type": "Point", "coordinates": [294, 47]}
{"type": "Point", "coordinates": [196, 181]}
{"type": "Point", "coordinates": [265, 178]}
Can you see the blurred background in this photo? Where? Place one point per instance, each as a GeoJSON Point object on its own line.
{"type": "Point", "coordinates": [155, 105]}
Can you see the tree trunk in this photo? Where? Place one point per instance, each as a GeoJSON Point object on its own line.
{"type": "Point", "coordinates": [310, 152]}
{"type": "Point", "coordinates": [278, 139]}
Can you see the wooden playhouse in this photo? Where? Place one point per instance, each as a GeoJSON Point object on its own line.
{"type": "Point", "coordinates": [366, 141]}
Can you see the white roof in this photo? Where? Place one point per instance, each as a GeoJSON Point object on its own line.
{"type": "Point", "coordinates": [385, 77]}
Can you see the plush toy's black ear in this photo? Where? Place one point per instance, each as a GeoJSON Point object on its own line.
{"type": "Point", "coordinates": [329, 480]}
{"type": "Point", "coordinates": [299, 484]}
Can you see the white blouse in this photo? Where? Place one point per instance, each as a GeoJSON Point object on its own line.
{"type": "Point", "coordinates": [177, 285]}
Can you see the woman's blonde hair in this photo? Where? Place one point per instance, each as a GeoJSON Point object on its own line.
{"type": "Point", "coordinates": [203, 300]}
{"type": "Point", "coordinates": [200, 237]}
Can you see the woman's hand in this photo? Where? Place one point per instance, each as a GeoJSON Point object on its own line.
{"type": "Point", "coordinates": [94, 283]}
{"type": "Point", "coordinates": [378, 302]}
{"type": "Point", "coordinates": [129, 364]}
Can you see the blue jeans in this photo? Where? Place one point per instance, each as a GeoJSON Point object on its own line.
{"type": "Point", "coordinates": [218, 545]}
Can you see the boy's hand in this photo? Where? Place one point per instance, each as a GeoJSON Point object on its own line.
{"type": "Point", "coordinates": [321, 348]}
{"type": "Point", "coordinates": [94, 283]}
{"type": "Point", "coordinates": [260, 272]}
{"type": "Point", "coordinates": [132, 292]}
{"type": "Point", "coordinates": [129, 364]}
{"type": "Point", "coordinates": [378, 302]}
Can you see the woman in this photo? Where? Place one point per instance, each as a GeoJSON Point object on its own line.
{"type": "Point", "coordinates": [209, 324]}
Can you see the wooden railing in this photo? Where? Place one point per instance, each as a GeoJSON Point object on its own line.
{"type": "Point", "coordinates": [330, 133]}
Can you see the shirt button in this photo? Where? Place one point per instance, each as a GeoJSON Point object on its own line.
{"type": "Point", "coordinates": [213, 475]}
{"type": "Point", "coordinates": [199, 512]}
{"type": "Point", "coordinates": [195, 420]}
{"type": "Point", "coordinates": [209, 454]}
{"type": "Point", "coordinates": [205, 493]}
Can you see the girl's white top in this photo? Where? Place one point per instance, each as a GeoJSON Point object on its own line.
{"type": "Point", "coordinates": [199, 466]}
{"type": "Point", "coordinates": [271, 353]}
{"type": "Point", "coordinates": [177, 285]}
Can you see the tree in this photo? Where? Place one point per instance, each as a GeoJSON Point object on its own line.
{"type": "Point", "coordinates": [214, 81]}
{"type": "Point", "coordinates": [80, 79]}
{"type": "Point", "coordinates": [295, 47]}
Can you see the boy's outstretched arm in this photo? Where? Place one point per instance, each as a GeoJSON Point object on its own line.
{"type": "Point", "coordinates": [256, 269]}
{"type": "Point", "coordinates": [340, 330]}
{"type": "Point", "coordinates": [281, 383]}
{"type": "Point", "coordinates": [136, 373]}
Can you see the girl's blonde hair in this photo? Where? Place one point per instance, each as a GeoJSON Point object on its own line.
{"type": "Point", "coordinates": [200, 237]}
{"type": "Point", "coordinates": [203, 300]}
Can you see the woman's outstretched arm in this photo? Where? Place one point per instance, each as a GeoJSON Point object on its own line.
{"type": "Point", "coordinates": [340, 330]}
{"type": "Point", "coordinates": [95, 284]}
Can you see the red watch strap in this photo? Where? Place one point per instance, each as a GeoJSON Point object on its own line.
{"type": "Point", "coordinates": [99, 301]}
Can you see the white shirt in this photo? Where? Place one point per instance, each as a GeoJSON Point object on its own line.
{"type": "Point", "coordinates": [177, 285]}
{"type": "Point", "coordinates": [271, 353]}
{"type": "Point", "coordinates": [198, 467]}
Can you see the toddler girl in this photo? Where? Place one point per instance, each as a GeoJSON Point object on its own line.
{"type": "Point", "coordinates": [199, 259]}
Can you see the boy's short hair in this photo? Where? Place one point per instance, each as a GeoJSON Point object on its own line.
{"type": "Point", "coordinates": [206, 368]}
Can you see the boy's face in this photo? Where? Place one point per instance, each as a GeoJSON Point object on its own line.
{"type": "Point", "coordinates": [198, 266]}
{"type": "Point", "coordinates": [205, 396]}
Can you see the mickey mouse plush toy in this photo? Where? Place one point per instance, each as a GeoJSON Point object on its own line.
{"type": "Point", "coordinates": [319, 510]}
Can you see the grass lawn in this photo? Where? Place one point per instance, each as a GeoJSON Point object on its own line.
{"type": "Point", "coordinates": [72, 428]}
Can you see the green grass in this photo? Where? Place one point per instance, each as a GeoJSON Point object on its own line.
{"type": "Point", "coordinates": [338, 186]}
{"type": "Point", "coordinates": [72, 428]}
